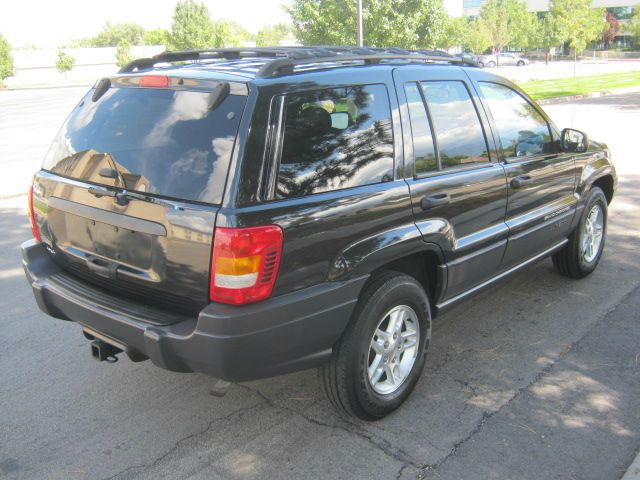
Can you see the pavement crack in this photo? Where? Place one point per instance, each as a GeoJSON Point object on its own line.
{"type": "Point", "coordinates": [176, 445]}
{"type": "Point", "coordinates": [383, 445]}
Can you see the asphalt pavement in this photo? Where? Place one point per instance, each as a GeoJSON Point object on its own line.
{"type": "Point", "coordinates": [537, 378]}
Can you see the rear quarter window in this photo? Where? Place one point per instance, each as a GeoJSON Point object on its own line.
{"type": "Point", "coordinates": [335, 139]}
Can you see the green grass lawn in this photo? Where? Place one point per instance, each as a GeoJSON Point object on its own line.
{"type": "Point", "coordinates": [563, 87]}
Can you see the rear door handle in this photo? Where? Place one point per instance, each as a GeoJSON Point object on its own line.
{"type": "Point", "coordinates": [434, 200]}
{"type": "Point", "coordinates": [521, 181]}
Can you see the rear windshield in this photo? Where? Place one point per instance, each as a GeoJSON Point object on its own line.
{"type": "Point", "coordinates": [172, 143]}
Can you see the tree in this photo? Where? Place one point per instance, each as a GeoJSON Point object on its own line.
{"type": "Point", "coordinates": [112, 35]}
{"type": "Point", "coordinates": [64, 63]}
{"type": "Point", "coordinates": [613, 27]}
{"type": "Point", "coordinates": [272, 35]}
{"type": "Point", "coordinates": [123, 54]}
{"type": "Point", "coordinates": [432, 22]}
{"type": "Point", "coordinates": [477, 37]}
{"type": "Point", "coordinates": [455, 29]}
{"type": "Point", "coordinates": [6, 60]}
{"type": "Point", "coordinates": [227, 34]}
{"type": "Point", "coordinates": [577, 23]}
{"type": "Point", "coordinates": [508, 23]}
{"type": "Point", "coordinates": [157, 36]}
{"type": "Point", "coordinates": [633, 26]}
{"type": "Point", "coordinates": [401, 23]}
{"type": "Point", "coordinates": [192, 27]}
{"type": "Point", "coordinates": [546, 35]}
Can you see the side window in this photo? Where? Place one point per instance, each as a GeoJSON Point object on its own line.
{"type": "Point", "coordinates": [423, 149]}
{"type": "Point", "coordinates": [334, 139]}
{"type": "Point", "coordinates": [522, 130]}
{"type": "Point", "coordinates": [459, 133]}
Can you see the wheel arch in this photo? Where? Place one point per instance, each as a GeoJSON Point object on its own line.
{"type": "Point", "coordinates": [426, 267]}
{"type": "Point", "coordinates": [607, 185]}
{"type": "Point", "coordinates": [401, 249]}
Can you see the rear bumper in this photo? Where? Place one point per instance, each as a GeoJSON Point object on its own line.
{"type": "Point", "coordinates": [283, 334]}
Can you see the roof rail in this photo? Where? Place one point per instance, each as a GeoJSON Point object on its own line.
{"type": "Point", "coordinates": [283, 60]}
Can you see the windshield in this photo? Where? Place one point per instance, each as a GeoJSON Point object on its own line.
{"type": "Point", "coordinates": [165, 142]}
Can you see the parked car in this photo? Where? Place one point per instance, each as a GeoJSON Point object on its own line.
{"type": "Point", "coordinates": [469, 57]}
{"type": "Point", "coordinates": [250, 213]}
{"type": "Point", "coordinates": [503, 60]}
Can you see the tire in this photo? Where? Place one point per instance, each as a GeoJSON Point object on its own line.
{"type": "Point", "coordinates": [481, 64]}
{"type": "Point", "coordinates": [520, 63]}
{"type": "Point", "coordinates": [492, 64]}
{"type": "Point", "coordinates": [345, 378]}
{"type": "Point", "coordinates": [576, 260]}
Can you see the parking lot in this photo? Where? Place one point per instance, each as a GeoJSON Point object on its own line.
{"type": "Point", "coordinates": [537, 378]}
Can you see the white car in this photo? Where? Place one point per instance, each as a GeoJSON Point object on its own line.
{"type": "Point", "coordinates": [502, 60]}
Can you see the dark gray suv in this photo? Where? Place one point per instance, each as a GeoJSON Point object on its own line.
{"type": "Point", "coordinates": [249, 213]}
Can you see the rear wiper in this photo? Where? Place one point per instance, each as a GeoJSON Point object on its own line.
{"type": "Point", "coordinates": [101, 192]}
{"type": "Point", "coordinates": [123, 197]}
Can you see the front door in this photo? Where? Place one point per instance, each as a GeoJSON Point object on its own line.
{"type": "Point", "coordinates": [457, 186]}
{"type": "Point", "coordinates": [540, 178]}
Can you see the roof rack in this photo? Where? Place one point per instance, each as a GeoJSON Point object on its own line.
{"type": "Point", "coordinates": [283, 60]}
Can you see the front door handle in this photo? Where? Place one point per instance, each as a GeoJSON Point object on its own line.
{"type": "Point", "coordinates": [521, 181]}
{"type": "Point", "coordinates": [434, 200]}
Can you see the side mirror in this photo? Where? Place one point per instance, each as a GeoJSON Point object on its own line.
{"type": "Point", "coordinates": [574, 141]}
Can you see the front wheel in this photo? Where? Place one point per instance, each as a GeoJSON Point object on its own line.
{"type": "Point", "coordinates": [492, 64]}
{"type": "Point", "coordinates": [582, 253]}
{"type": "Point", "coordinates": [521, 63]}
{"type": "Point", "coordinates": [378, 361]}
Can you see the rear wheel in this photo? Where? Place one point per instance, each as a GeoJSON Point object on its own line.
{"type": "Point", "coordinates": [520, 63]}
{"type": "Point", "coordinates": [582, 253]}
{"type": "Point", "coordinates": [379, 358]}
{"type": "Point", "coordinates": [492, 64]}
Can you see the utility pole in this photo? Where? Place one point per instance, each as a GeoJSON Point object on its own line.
{"type": "Point", "coordinates": [360, 32]}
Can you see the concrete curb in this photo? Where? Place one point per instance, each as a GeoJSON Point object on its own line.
{"type": "Point", "coordinates": [633, 472]}
{"type": "Point", "coordinates": [573, 98]}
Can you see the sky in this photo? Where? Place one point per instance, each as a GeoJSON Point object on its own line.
{"type": "Point", "coordinates": [50, 23]}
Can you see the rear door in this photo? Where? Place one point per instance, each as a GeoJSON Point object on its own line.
{"type": "Point", "coordinates": [541, 178]}
{"type": "Point", "coordinates": [129, 190]}
{"type": "Point", "coordinates": [452, 173]}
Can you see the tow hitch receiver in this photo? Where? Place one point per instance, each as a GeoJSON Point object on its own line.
{"type": "Point", "coordinates": [102, 351]}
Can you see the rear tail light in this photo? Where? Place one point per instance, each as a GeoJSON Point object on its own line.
{"type": "Point", "coordinates": [244, 263]}
{"type": "Point", "coordinates": [32, 217]}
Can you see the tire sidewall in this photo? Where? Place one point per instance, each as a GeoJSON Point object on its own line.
{"type": "Point", "coordinates": [596, 196]}
{"type": "Point", "coordinates": [402, 290]}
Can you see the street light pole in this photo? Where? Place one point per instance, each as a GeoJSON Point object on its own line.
{"type": "Point", "coordinates": [360, 32]}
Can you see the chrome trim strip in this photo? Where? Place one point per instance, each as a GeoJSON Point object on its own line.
{"type": "Point", "coordinates": [110, 218]}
